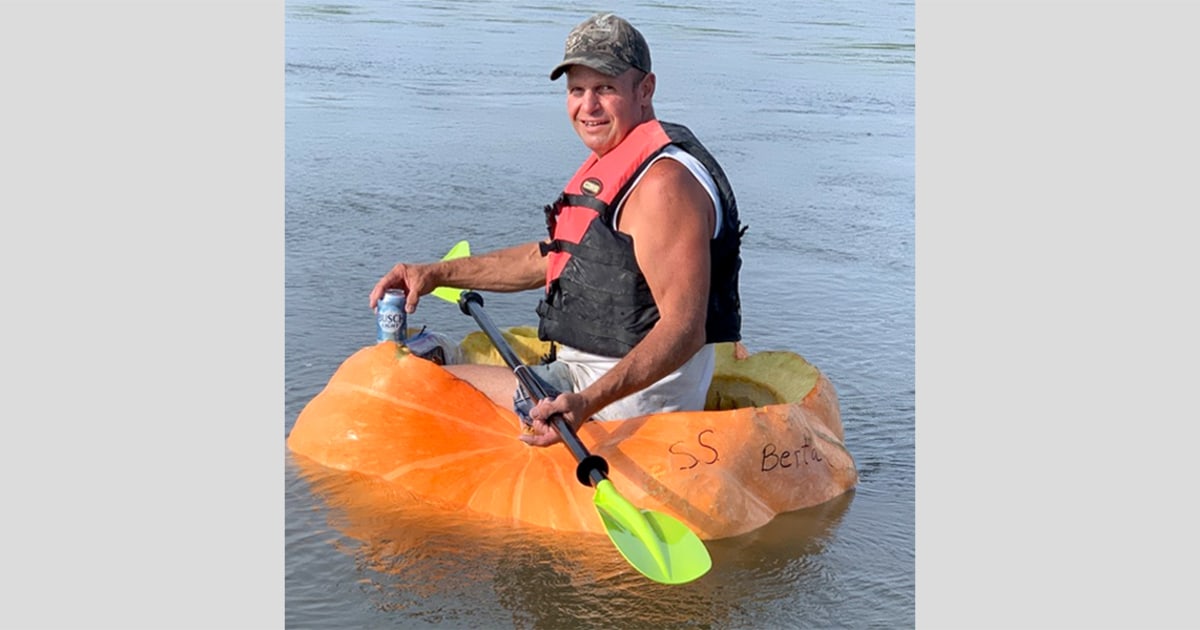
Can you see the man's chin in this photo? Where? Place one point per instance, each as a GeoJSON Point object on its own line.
{"type": "Point", "coordinates": [596, 144]}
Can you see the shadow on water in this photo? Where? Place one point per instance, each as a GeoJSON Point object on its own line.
{"type": "Point", "coordinates": [438, 565]}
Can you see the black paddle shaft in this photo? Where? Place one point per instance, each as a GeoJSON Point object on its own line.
{"type": "Point", "coordinates": [591, 468]}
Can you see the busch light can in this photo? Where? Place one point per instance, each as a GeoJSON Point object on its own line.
{"type": "Point", "coordinates": [391, 322]}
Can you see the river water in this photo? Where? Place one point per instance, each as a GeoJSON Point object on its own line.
{"type": "Point", "coordinates": [411, 126]}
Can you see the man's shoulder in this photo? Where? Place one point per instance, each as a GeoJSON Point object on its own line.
{"type": "Point", "coordinates": [670, 172]}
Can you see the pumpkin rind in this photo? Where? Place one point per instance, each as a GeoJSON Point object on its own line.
{"type": "Point", "coordinates": [722, 471]}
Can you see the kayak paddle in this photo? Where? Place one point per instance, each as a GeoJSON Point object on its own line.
{"type": "Point", "coordinates": [659, 546]}
{"type": "Point", "coordinates": [461, 249]}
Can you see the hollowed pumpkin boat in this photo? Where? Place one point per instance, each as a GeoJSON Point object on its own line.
{"type": "Point", "coordinates": [769, 441]}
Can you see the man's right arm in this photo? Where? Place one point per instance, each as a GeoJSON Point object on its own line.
{"type": "Point", "coordinates": [518, 268]}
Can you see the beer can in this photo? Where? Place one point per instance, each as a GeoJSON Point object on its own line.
{"type": "Point", "coordinates": [391, 322]}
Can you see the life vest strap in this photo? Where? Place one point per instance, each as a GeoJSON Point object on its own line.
{"type": "Point", "coordinates": [585, 201]}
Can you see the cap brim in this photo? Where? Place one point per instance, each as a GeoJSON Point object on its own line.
{"type": "Point", "coordinates": [559, 69]}
{"type": "Point", "coordinates": [611, 67]}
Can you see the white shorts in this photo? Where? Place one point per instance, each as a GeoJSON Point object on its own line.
{"type": "Point", "coordinates": [685, 389]}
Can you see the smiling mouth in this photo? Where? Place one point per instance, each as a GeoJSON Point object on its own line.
{"type": "Point", "coordinates": [587, 123]}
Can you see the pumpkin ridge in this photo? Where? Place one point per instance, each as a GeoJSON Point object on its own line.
{"type": "Point", "coordinates": [436, 462]}
{"type": "Point", "coordinates": [432, 411]}
{"type": "Point", "coordinates": [499, 469]}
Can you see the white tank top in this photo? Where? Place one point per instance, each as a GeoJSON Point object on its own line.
{"type": "Point", "coordinates": [698, 171]}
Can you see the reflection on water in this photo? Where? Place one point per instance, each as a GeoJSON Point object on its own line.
{"type": "Point", "coordinates": [408, 556]}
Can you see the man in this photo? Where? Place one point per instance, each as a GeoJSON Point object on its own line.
{"type": "Point", "coordinates": [640, 272]}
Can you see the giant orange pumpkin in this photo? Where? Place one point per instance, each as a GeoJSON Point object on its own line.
{"type": "Point", "coordinates": [770, 441]}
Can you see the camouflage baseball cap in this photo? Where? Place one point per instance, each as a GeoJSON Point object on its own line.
{"type": "Point", "coordinates": [605, 43]}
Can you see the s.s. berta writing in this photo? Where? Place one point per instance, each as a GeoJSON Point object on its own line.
{"type": "Point", "coordinates": [773, 458]}
{"type": "Point", "coordinates": [702, 451]}
{"type": "Point", "coordinates": [708, 452]}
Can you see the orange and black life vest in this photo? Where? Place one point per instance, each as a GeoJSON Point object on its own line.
{"type": "Point", "coordinates": [597, 299]}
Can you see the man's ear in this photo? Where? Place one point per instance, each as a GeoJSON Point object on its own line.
{"type": "Point", "coordinates": [646, 87]}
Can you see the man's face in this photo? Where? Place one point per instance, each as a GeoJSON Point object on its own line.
{"type": "Point", "coordinates": [603, 108]}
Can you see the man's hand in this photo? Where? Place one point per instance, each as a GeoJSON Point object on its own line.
{"type": "Point", "coordinates": [414, 279]}
{"type": "Point", "coordinates": [573, 408]}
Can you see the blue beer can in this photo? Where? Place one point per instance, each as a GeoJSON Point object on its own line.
{"type": "Point", "coordinates": [391, 322]}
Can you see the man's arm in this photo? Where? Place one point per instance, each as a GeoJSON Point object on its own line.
{"type": "Point", "coordinates": [516, 268]}
{"type": "Point", "coordinates": [671, 219]}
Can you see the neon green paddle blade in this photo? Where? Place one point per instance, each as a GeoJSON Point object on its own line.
{"type": "Point", "coordinates": [658, 546]}
{"type": "Point", "coordinates": [461, 249]}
